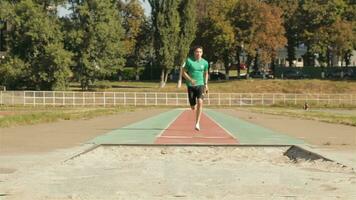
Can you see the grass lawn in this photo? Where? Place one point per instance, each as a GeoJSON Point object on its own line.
{"type": "Point", "coordinates": [239, 86]}
{"type": "Point", "coordinates": [330, 115]}
{"type": "Point", "coordinates": [15, 116]}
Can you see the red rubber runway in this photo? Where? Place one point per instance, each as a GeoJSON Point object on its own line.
{"type": "Point", "coordinates": [182, 131]}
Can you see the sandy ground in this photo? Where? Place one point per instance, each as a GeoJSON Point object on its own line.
{"type": "Point", "coordinates": [184, 173]}
{"type": "Point", "coordinates": [32, 164]}
{"type": "Point", "coordinates": [336, 141]}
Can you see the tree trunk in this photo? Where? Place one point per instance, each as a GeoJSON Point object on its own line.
{"type": "Point", "coordinates": [309, 59]}
{"type": "Point", "coordinates": [238, 62]}
{"type": "Point", "coordinates": [162, 83]}
{"type": "Point", "coordinates": [179, 85]}
{"type": "Point", "coordinates": [291, 52]}
{"type": "Point", "coordinates": [329, 60]}
{"type": "Point", "coordinates": [248, 63]}
{"type": "Point", "coordinates": [273, 66]}
{"type": "Point", "coordinates": [227, 69]}
{"type": "Point", "coordinates": [226, 65]}
{"type": "Point", "coordinates": [255, 63]}
{"type": "Point", "coordinates": [166, 77]}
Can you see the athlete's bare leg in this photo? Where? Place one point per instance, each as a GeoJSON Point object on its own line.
{"type": "Point", "coordinates": [198, 114]}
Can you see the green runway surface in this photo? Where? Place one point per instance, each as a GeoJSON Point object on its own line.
{"type": "Point", "coordinates": [146, 131]}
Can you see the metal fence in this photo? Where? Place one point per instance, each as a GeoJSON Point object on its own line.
{"type": "Point", "coordinates": [56, 98]}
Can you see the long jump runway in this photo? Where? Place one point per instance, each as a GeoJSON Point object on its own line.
{"type": "Point", "coordinates": [163, 157]}
{"type": "Point", "coordinates": [177, 127]}
{"type": "Point", "coordinates": [181, 131]}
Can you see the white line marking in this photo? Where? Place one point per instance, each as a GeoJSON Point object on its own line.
{"type": "Point", "coordinates": [186, 137]}
{"type": "Point", "coordinates": [228, 132]}
{"type": "Point", "coordinates": [169, 124]}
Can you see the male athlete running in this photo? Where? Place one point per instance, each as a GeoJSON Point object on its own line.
{"type": "Point", "coordinates": [195, 72]}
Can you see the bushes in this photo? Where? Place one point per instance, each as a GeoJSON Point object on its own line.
{"type": "Point", "coordinates": [13, 73]}
{"type": "Point", "coordinates": [103, 84]}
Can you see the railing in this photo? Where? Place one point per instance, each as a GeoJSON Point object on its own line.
{"type": "Point", "coordinates": [56, 98]}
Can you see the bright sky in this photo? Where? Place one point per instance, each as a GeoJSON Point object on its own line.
{"type": "Point", "coordinates": [63, 11]}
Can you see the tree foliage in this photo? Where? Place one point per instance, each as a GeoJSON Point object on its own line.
{"type": "Point", "coordinates": [35, 40]}
{"type": "Point", "coordinates": [96, 38]}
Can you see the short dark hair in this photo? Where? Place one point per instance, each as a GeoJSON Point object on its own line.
{"type": "Point", "coordinates": [197, 47]}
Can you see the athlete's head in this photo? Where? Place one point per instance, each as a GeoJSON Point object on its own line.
{"type": "Point", "coordinates": [198, 52]}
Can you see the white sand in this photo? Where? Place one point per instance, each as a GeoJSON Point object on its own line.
{"type": "Point", "coordinates": [181, 173]}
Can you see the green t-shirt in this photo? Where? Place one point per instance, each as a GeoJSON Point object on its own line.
{"type": "Point", "coordinates": [196, 69]}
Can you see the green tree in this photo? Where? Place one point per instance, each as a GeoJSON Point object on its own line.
{"type": "Point", "coordinates": [290, 23]}
{"type": "Point", "coordinates": [316, 19]}
{"type": "Point", "coordinates": [349, 17]}
{"type": "Point", "coordinates": [134, 24]}
{"type": "Point", "coordinates": [259, 27]}
{"type": "Point", "coordinates": [96, 39]}
{"type": "Point", "coordinates": [188, 28]}
{"type": "Point", "coordinates": [14, 73]}
{"type": "Point", "coordinates": [35, 40]}
{"type": "Point", "coordinates": [165, 21]}
{"type": "Point", "coordinates": [219, 32]}
{"type": "Point", "coordinates": [133, 17]}
{"type": "Point", "coordinates": [341, 40]}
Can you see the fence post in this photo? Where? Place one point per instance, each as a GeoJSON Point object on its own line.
{"type": "Point", "coordinates": [94, 101]}
{"type": "Point", "coordinates": [166, 98]}
{"type": "Point", "coordinates": [53, 98]}
{"type": "Point", "coordinates": [145, 99]}
{"type": "Point", "coordinates": [230, 99]}
{"type": "Point", "coordinates": [1, 98]}
{"type": "Point", "coordinates": [12, 98]}
{"type": "Point", "coordinates": [263, 99]}
{"type": "Point", "coordinates": [104, 99]}
{"type": "Point", "coordinates": [124, 98]}
{"type": "Point", "coordinates": [43, 98]}
{"type": "Point", "coordinates": [114, 98]}
{"type": "Point", "coordinates": [73, 99]}
{"type": "Point", "coordinates": [24, 98]}
{"type": "Point", "coordinates": [177, 99]}
{"type": "Point", "coordinates": [251, 102]}
{"type": "Point", "coordinates": [240, 99]}
{"type": "Point", "coordinates": [219, 99]}
{"type": "Point", "coordinates": [34, 99]}
{"type": "Point", "coordinates": [156, 98]}
{"type": "Point", "coordinates": [63, 99]}
{"type": "Point", "coordinates": [135, 98]}
{"type": "Point", "coordinates": [295, 99]}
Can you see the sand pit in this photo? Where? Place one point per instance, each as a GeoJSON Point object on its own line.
{"type": "Point", "coordinates": [185, 172]}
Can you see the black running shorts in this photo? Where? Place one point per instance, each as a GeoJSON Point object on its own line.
{"type": "Point", "coordinates": [194, 93]}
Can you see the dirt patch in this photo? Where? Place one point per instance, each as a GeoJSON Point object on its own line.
{"type": "Point", "coordinates": [312, 132]}
{"type": "Point", "coordinates": [6, 113]}
{"type": "Point", "coordinates": [132, 172]}
{"type": "Point", "coordinates": [64, 134]}
{"type": "Point", "coordinates": [7, 170]}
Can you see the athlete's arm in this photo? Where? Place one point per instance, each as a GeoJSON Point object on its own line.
{"type": "Point", "coordinates": [187, 77]}
{"type": "Point", "coordinates": [206, 77]}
